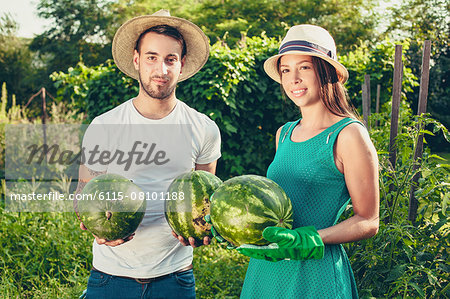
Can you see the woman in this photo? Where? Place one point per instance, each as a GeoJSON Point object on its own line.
{"type": "Point", "coordinates": [323, 160]}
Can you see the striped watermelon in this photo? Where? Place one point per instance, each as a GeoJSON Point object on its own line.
{"type": "Point", "coordinates": [110, 208]}
{"type": "Point", "coordinates": [243, 206]}
{"type": "Point", "coordinates": [190, 193]}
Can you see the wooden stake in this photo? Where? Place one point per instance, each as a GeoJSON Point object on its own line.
{"type": "Point", "coordinates": [423, 96]}
{"type": "Point", "coordinates": [396, 95]}
{"type": "Point", "coordinates": [367, 83]}
{"type": "Point", "coordinates": [366, 99]}
{"type": "Point", "coordinates": [364, 104]}
{"type": "Point", "coordinates": [377, 104]}
{"type": "Point", "coordinates": [44, 118]}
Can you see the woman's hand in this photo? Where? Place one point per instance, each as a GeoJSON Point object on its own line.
{"type": "Point", "coordinates": [303, 243]}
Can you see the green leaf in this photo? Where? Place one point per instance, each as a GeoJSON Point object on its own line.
{"type": "Point", "coordinates": [417, 288]}
{"type": "Point", "coordinates": [396, 273]}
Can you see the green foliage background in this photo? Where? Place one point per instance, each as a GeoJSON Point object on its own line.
{"type": "Point", "coordinates": [45, 255]}
{"type": "Point", "coordinates": [234, 91]}
{"type": "Point", "coordinates": [83, 30]}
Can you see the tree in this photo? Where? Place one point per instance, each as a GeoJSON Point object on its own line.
{"type": "Point", "coordinates": [79, 33]}
{"type": "Point", "coordinates": [349, 21]}
{"type": "Point", "coordinates": [421, 20]}
{"type": "Point", "coordinates": [83, 29]}
{"type": "Point", "coordinates": [16, 60]}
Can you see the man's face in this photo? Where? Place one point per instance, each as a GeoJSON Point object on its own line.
{"type": "Point", "coordinates": [159, 64]}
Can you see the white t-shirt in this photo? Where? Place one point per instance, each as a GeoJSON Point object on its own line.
{"type": "Point", "coordinates": [169, 146]}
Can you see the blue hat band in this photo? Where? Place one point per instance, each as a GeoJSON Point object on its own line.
{"type": "Point", "coordinates": [304, 46]}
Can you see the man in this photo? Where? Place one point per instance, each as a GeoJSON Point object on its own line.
{"type": "Point", "coordinates": [158, 51]}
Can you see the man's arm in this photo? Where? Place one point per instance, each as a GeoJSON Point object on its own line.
{"type": "Point", "coordinates": [210, 167]}
{"type": "Point", "coordinates": [84, 176]}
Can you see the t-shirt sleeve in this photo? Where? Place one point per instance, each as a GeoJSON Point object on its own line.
{"type": "Point", "coordinates": [210, 149]}
{"type": "Point", "coordinates": [95, 142]}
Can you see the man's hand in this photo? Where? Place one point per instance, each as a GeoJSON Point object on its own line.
{"type": "Point", "coordinates": [191, 241]}
{"type": "Point", "coordinates": [112, 243]}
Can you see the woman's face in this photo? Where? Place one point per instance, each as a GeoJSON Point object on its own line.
{"type": "Point", "coordinates": [299, 80]}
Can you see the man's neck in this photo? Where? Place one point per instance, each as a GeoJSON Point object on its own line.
{"type": "Point", "coordinates": [154, 108]}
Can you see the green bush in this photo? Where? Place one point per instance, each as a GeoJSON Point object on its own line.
{"type": "Point", "coordinates": [234, 91]}
{"type": "Point", "coordinates": [405, 260]}
{"type": "Point", "coordinates": [94, 90]}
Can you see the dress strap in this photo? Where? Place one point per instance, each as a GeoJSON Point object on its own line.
{"type": "Point", "coordinates": [285, 132]}
{"type": "Point", "coordinates": [339, 128]}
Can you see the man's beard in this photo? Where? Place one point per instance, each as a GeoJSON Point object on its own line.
{"type": "Point", "coordinates": [162, 94]}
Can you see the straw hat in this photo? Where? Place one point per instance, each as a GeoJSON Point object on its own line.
{"type": "Point", "coordinates": [306, 40]}
{"type": "Point", "coordinates": [124, 42]}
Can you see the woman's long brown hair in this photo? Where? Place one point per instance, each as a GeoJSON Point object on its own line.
{"type": "Point", "coordinates": [333, 94]}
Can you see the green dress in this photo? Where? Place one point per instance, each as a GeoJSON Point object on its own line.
{"type": "Point", "coordinates": [308, 174]}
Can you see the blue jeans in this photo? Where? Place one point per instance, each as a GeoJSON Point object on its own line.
{"type": "Point", "coordinates": [175, 285]}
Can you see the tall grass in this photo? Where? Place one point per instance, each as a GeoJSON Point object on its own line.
{"type": "Point", "coordinates": [46, 255]}
{"type": "Point", "coordinates": [219, 272]}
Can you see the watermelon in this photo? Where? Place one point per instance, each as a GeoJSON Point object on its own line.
{"type": "Point", "coordinates": [110, 208]}
{"type": "Point", "coordinates": [189, 195]}
{"type": "Point", "coordinates": [244, 205]}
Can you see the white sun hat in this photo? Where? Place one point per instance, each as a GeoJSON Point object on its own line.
{"type": "Point", "coordinates": [306, 40]}
{"type": "Point", "coordinates": [124, 42]}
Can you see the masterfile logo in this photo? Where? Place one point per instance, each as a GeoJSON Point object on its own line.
{"type": "Point", "coordinates": [42, 161]}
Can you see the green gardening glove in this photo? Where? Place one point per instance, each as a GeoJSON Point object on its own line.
{"type": "Point", "coordinates": [216, 235]}
{"type": "Point", "coordinates": [303, 243]}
